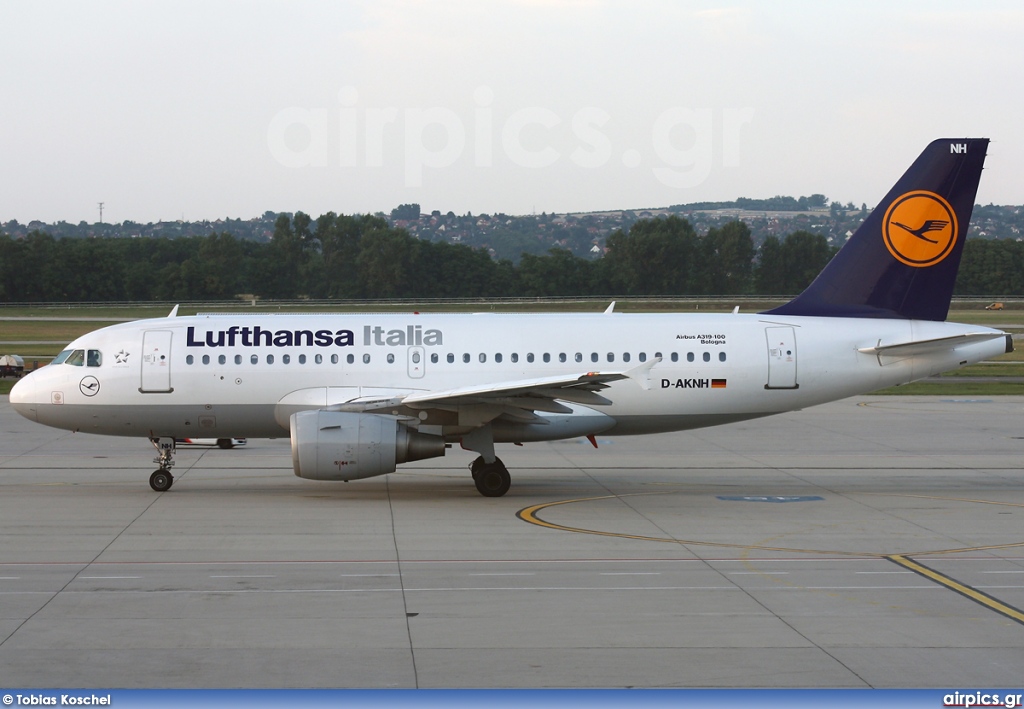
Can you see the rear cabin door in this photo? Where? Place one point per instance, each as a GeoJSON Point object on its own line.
{"type": "Point", "coordinates": [156, 361]}
{"type": "Point", "coordinates": [781, 358]}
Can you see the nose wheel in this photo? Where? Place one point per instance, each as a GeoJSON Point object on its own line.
{"type": "Point", "coordinates": [161, 480]}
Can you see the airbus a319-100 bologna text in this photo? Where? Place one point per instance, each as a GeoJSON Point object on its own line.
{"type": "Point", "coordinates": [360, 394]}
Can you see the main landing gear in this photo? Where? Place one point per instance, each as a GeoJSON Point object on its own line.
{"type": "Point", "coordinates": [161, 479]}
{"type": "Point", "coordinates": [492, 479]}
{"type": "Point", "coordinates": [489, 473]}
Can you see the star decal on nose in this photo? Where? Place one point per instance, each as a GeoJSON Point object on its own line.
{"type": "Point", "coordinates": [121, 357]}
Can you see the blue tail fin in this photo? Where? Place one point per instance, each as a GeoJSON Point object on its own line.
{"type": "Point", "coordinates": [902, 261]}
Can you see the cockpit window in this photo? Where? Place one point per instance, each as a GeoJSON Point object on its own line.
{"type": "Point", "coordinates": [94, 358]}
{"type": "Point", "coordinates": [59, 359]}
{"type": "Point", "coordinates": [76, 358]}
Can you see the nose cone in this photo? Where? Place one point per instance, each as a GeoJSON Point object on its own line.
{"type": "Point", "coordinates": [24, 397]}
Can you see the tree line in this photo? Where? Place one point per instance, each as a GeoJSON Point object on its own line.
{"type": "Point", "coordinates": [362, 257]}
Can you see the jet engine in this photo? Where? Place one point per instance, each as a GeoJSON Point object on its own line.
{"type": "Point", "coordinates": [337, 445]}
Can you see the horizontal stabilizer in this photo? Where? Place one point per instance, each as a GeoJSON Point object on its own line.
{"type": "Point", "coordinates": [940, 344]}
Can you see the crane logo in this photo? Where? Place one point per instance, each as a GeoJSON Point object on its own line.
{"type": "Point", "coordinates": [90, 386]}
{"type": "Point", "coordinates": [919, 229]}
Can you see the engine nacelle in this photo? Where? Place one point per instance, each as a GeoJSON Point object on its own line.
{"type": "Point", "coordinates": [338, 445]}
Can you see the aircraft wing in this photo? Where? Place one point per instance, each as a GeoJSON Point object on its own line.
{"type": "Point", "coordinates": [558, 387]}
{"type": "Point", "coordinates": [518, 399]}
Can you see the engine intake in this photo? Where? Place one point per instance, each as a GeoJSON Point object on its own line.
{"type": "Point", "coordinates": [338, 445]}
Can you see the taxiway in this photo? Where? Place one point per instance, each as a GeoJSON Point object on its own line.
{"type": "Point", "coordinates": [873, 542]}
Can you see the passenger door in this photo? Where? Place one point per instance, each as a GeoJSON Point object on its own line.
{"type": "Point", "coordinates": [156, 361]}
{"type": "Point", "coordinates": [781, 358]}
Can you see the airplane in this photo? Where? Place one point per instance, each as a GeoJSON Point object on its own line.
{"type": "Point", "coordinates": [360, 394]}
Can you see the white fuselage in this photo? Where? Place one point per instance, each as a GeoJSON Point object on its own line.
{"type": "Point", "coordinates": [242, 375]}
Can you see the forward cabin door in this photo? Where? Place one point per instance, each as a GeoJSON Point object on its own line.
{"type": "Point", "coordinates": [781, 358]}
{"type": "Point", "coordinates": [156, 361]}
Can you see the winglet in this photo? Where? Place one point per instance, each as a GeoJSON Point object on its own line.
{"type": "Point", "coordinates": [642, 374]}
{"type": "Point", "coordinates": [174, 312]}
{"type": "Point", "coordinates": [610, 309]}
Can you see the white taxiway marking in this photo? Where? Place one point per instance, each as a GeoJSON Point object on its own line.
{"type": "Point", "coordinates": [630, 573]}
{"type": "Point", "coordinates": [508, 574]}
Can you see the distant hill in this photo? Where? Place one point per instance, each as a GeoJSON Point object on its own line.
{"type": "Point", "coordinates": [583, 234]}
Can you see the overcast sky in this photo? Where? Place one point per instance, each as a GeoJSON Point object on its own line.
{"type": "Point", "coordinates": [205, 110]}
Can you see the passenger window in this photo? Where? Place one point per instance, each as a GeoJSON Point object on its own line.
{"type": "Point", "coordinates": [433, 357]}
{"type": "Point", "coordinates": [286, 359]}
{"type": "Point", "coordinates": [391, 358]}
{"type": "Point", "coordinates": [270, 359]}
{"type": "Point", "coordinates": [351, 359]}
{"type": "Point", "coordinates": [657, 354]}
{"type": "Point", "coordinates": [77, 358]}
{"type": "Point", "coordinates": [254, 359]}
{"type": "Point", "coordinates": [643, 356]}
{"type": "Point", "coordinates": [547, 357]}
{"type": "Point", "coordinates": [497, 357]}
{"type": "Point", "coordinates": [675, 357]}
{"type": "Point", "coordinates": [689, 356]}
{"type": "Point", "coordinates": [319, 359]}
{"type": "Point", "coordinates": [594, 357]}
{"type": "Point", "coordinates": [366, 358]}
{"type": "Point", "coordinates": [206, 359]}
{"type": "Point", "coordinates": [450, 357]}
{"type": "Point", "coordinates": [579, 356]}
{"type": "Point", "coordinates": [625, 356]}
{"type": "Point", "coordinates": [707, 356]}
{"type": "Point", "coordinates": [611, 356]}
{"type": "Point", "coordinates": [482, 357]}
{"type": "Point", "coordinates": [465, 357]}
{"type": "Point", "coordinates": [222, 360]}
{"type": "Point", "coordinates": [529, 357]}
{"type": "Point", "coordinates": [334, 359]}
{"type": "Point", "coordinates": [515, 357]}
{"type": "Point", "coordinates": [190, 359]}
{"type": "Point", "coordinates": [95, 358]}
{"type": "Point", "coordinates": [561, 357]}
{"type": "Point", "coordinates": [721, 356]}
{"type": "Point", "coordinates": [415, 357]}
{"type": "Point", "coordinates": [238, 359]}
{"type": "Point", "coordinates": [302, 359]}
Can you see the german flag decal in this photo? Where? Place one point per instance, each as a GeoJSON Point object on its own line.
{"type": "Point", "coordinates": [718, 384]}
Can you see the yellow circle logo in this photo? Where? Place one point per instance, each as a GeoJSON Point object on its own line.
{"type": "Point", "coordinates": [919, 228]}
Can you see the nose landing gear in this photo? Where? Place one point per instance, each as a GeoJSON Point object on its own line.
{"type": "Point", "coordinates": [161, 479]}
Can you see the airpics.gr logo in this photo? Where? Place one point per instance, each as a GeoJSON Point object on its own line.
{"type": "Point", "coordinates": [919, 228]}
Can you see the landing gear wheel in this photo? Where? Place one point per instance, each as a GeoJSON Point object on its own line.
{"type": "Point", "coordinates": [476, 466]}
{"type": "Point", "coordinates": [225, 443]}
{"type": "Point", "coordinates": [161, 480]}
{"type": "Point", "coordinates": [492, 480]}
